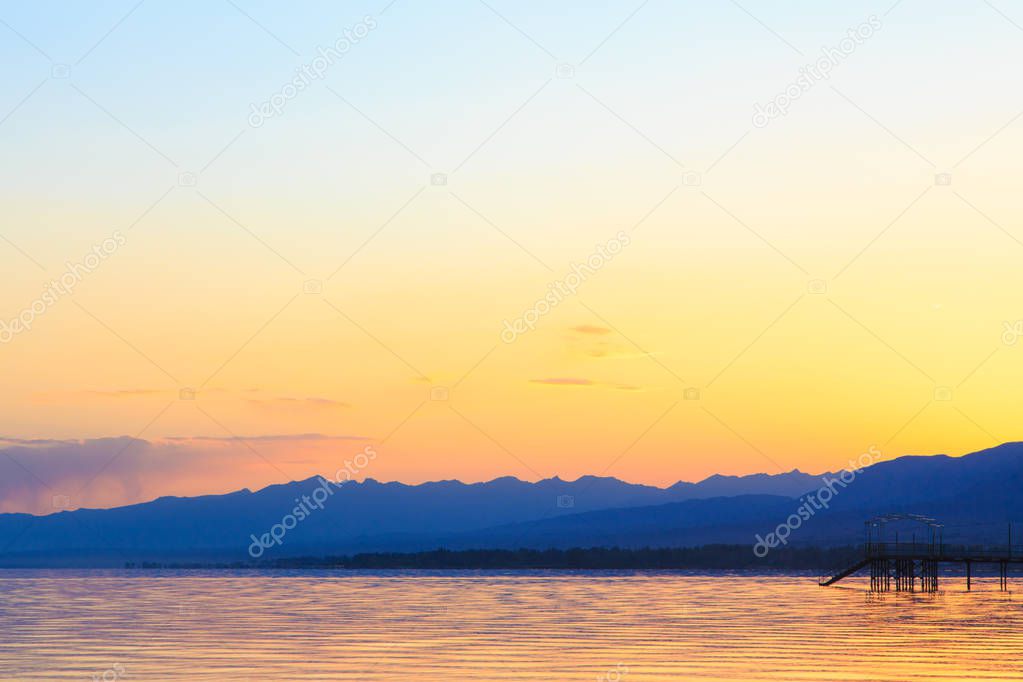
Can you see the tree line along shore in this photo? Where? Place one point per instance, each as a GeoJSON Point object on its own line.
{"type": "Point", "coordinates": [707, 557]}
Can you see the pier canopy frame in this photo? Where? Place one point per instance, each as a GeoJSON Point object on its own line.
{"type": "Point", "coordinates": [875, 527]}
{"type": "Point", "coordinates": [905, 565]}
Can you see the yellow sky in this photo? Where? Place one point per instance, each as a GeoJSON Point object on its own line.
{"type": "Point", "coordinates": [790, 294]}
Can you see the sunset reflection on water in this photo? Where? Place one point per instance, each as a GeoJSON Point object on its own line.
{"type": "Point", "coordinates": [167, 625]}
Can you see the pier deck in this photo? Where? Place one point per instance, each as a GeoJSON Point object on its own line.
{"type": "Point", "coordinates": [910, 567]}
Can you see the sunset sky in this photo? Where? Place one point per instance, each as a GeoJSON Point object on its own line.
{"type": "Point", "coordinates": [278, 292]}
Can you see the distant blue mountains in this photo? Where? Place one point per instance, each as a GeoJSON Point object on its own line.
{"type": "Point", "coordinates": [974, 495]}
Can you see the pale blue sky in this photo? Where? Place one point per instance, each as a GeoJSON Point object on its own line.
{"type": "Point", "coordinates": [440, 76]}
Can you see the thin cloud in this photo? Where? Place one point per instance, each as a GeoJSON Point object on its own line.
{"type": "Point", "coordinates": [45, 476]}
{"type": "Point", "coordinates": [587, 383]}
{"type": "Point", "coordinates": [291, 403]}
{"type": "Point", "coordinates": [4, 440]}
{"type": "Point", "coordinates": [591, 329]}
{"type": "Point", "coordinates": [127, 393]}
{"type": "Point", "coordinates": [604, 350]}
{"type": "Point", "coordinates": [49, 397]}
{"type": "Point", "coordinates": [269, 438]}
{"type": "Point", "coordinates": [592, 341]}
{"type": "Point", "coordinates": [563, 381]}
{"type": "Point", "coordinates": [117, 394]}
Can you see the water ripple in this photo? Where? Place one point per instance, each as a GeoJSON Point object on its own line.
{"type": "Point", "coordinates": [227, 626]}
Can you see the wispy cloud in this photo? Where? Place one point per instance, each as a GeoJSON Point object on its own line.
{"type": "Point", "coordinates": [127, 393]}
{"type": "Point", "coordinates": [287, 402]}
{"type": "Point", "coordinates": [268, 438]}
{"type": "Point", "coordinates": [576, 381]}
{"type": "Point", "coordinates": [563, 381]}
{"type": "Point", "coordinates": [591, 329]}
{"type": "Point", "coordinates": [254, 397]}
{"type": "Point", "coordinates": [585, 383]}
{"type": "Point", "coordinates": [592, 341]}
{"type": "Point", "coordinates": [91, 395]}
{"type": "Point", "coordinates": [5, 440]}
{"type": "Point", "coordinates": [43, 476]}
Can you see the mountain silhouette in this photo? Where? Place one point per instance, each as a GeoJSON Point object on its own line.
{"type": "Point", "coordinates": [975, 495]}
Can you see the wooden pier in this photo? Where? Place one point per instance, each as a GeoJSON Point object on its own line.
{"type": "Point", "coordinates": [913, 566]}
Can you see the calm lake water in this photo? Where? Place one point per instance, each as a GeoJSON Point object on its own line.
{"type": "Point", "coordinates": [74, 625]}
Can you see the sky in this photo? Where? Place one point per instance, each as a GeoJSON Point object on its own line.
{"type": "Point", "coordinates": [655, 240]}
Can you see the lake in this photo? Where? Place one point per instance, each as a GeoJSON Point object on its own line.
{"type": "Point", "coordinates": [535, 625]}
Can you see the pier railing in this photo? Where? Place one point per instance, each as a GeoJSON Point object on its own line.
{"type": "Point", "coordinates": [904, 565]}
{"type": "Point", "coordinates": [907, 557]}
{"type": "Point", "coordinates": [943, 551]}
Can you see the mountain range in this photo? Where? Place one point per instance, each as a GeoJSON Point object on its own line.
{"type": "Point", "coordinates": [975, 495]}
